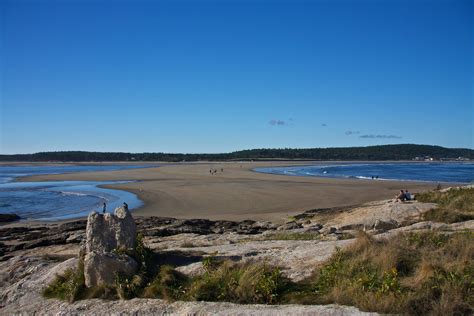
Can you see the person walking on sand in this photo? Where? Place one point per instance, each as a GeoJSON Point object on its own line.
{"type": "Point", "coordinates": [104, 208]}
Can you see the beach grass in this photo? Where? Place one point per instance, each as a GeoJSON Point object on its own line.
{"type": "Point", "coordinates": [454, 205]}
{"type": "Point", "coordinates": [69, 286]}
{"type": "Point", "coordinates": [416, 273]}
{"type": "Point", "coordinates": [292, 236]}
{"type": "Point", "coordinates": [239, 283]}
{"type": "Point", "coordinates": [412, 273]}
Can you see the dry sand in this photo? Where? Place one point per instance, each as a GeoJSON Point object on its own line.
{"type": "Point", "coordinates": [237, 193]}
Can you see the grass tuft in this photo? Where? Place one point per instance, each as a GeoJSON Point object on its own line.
{"type": "Point", "coordinates": [415, 273]}
{"type": "Point", "coordinates": [455, 205]}
{"type": "Point", "coordinates": [69, 286]}
{"type": "Point", "coordinates": [240, 283]}
{"type": "Point", "coordinates": [168, 284]}
{"type": "Point", "coordinates": [293, 236]}
{"type": "Point", "coordinates": [411, 273]}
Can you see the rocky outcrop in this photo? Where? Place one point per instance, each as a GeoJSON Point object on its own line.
{"type": "Point", "coordinates": [33, 236]}
{"type": "Point", "coordinates": [101, 268]}
{"type": "Point", "coordinates": [108, 238]}
{"type": "Point", "coordinates": [4, 218]}
{"type": "Point", "coordinates": [290, 225]}
{"type": "Point", "coordinates": [383, 226]}
{"type": "Point", "coordinates": [380, 216]}
{"type": "Point", "coordinates": [160, 227]}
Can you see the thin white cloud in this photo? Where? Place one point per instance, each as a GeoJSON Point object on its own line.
{"type": "Point", "coordinates": [372, 136]}
{"type": "Point", "coordinates": [352, 132]}
{"type": "Point", "coordinates": [280, 122]}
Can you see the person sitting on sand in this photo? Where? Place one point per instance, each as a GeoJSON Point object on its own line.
{"type": "Point", "coordinates": [407, 195]}
{"type": "Point", "coordinates": [400, 197]}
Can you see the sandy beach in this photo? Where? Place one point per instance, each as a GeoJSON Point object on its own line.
{"type": "Point", "coordinates": [237, 193]}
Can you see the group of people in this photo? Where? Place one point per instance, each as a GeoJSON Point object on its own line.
{"type": "Point", "coordinates": [403, 196]}
{"type": "Point", "coordinates": [214, 171]}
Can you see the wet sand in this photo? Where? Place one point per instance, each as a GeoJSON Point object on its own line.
{"type": "Point", "coordinates": [238, 193]}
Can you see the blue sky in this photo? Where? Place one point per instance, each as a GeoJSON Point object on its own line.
{"type": "Point", "coordinates": [219, 76]}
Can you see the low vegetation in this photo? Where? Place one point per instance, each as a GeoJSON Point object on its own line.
{"type": "Point", "coordinates": [422, 273]}
{"type": "Point", "coordinates": [68, 287]}
{"type": "Point", "coordinates": [293, 236]}
{"type": "Point", "coordinates": [415, 273]}
{"type": "Point", "coordinates": [455, 205]}
{"type": "Point", "coordinates": [223, 281]}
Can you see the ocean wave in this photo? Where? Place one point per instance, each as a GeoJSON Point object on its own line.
{"type": "Point", "coordinates": [418, 172]}
{"type": "Point", "coordinates": [77, 193]}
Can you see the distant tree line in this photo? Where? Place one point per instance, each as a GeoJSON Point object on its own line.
{"type": "Point", "coordinates": [370, 153]}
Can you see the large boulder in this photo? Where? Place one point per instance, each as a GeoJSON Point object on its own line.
{"type": "Point", "coordinates": [108, 232]}
{"type": "Point", "coordinates": [108, 238]}
{"type": "Point", "coordinates": [4, 218]}
{"type": "Point", "coordinates": [101, 268]}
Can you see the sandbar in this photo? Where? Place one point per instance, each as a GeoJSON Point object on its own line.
{"type": "Point", "coordinates": [237, 192]}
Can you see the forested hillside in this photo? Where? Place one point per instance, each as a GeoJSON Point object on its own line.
{"type": "Point", "coordinates": [383, 152]}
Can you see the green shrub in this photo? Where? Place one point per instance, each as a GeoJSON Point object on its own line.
{"type": "Point", "coordinates": [169, 284]}
{"type": "Point", "coordinates": [211, 263]}
{"type": "Point", "coordinates": [330, 273]}
{"type": "Point", "coordinates": [240, 283]}
{"type": "Point", "coordinates": [128, 286]}
{"type": "Point", "coordinates": [69, 286]}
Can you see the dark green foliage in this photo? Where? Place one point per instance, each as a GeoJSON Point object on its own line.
{"type": "Point", "coordinates": [69, 286]}
{"type": "Point", "coordinates": [383, 152]}
{"type": "Point", "coordinates": [128, 286]}
{"type": "Point", "coordinates": [144, 256]}
{"type": "Point", "coordinates": [211, 263]}
{"type": "Point", "coordinates": [329, 273]}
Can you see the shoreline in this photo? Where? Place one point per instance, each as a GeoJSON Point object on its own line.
{"type": "Point", "coordinates": [190, 191]}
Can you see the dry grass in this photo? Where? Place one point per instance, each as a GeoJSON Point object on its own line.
{"type": "Point", "coordinates": [188, 244]}
{"type": "Point", "coordinates": [292, 236]}
{"type": "Point", "coordinates": [168, 284]}
{"type": "Point", "coordinates": [428, 273]}
{"type": "Point", "coordinates": [455, 205]}
{"type": "Point", "coordinates": [240, 283]}
{"type": "Point", "coordinates": [416, 273]}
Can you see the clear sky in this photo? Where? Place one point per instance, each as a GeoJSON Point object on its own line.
{"type": "Point", "coordinates": [219, 76]}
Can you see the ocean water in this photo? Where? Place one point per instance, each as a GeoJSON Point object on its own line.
{"type": "Point", "coordinates": [55, 200]}
{"type": "Point", "coordinates": [432, 172]}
